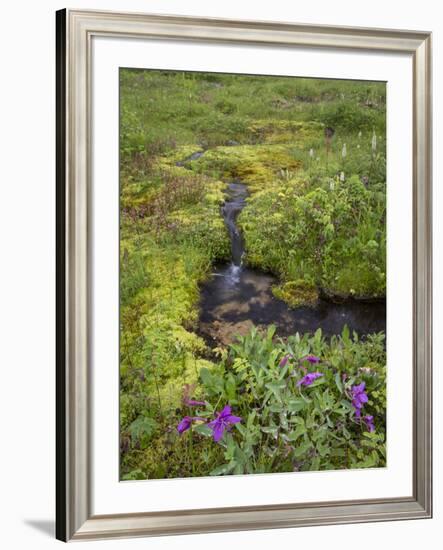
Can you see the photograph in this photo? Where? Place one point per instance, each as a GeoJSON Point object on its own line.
{"type": "Point", "coordinates": [221, 226]}
{"type": "Point", "coordinates": [252, 275]}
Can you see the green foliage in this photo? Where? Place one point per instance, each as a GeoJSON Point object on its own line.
{"type": "Point", "coordinates": [331, 234]}
{"type": "Point", "coordinates": [348, 116]}
{"type": "Point", "coordinates": [290, 427]}
{"type": "Point", "coordinates": [301, 222]}
{"type": "Point", "coordinates": [141, 430]}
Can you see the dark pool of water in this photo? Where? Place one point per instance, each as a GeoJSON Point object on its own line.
{"type": "Point", "coordinates": [236, 298]}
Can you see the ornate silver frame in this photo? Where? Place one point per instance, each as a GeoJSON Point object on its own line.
{"type": "Point", "coordinates": [75, 30]}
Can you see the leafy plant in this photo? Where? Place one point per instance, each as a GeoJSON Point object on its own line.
{"type": "Point", "coordinates": [293, 410]}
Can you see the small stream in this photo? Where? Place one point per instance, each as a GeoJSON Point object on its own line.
{"type": "Point", "coordinates": [236, 297]}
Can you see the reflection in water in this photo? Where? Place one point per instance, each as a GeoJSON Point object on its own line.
{"type": "Point", "coordinates": [232, 301]}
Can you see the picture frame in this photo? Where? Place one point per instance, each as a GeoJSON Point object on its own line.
{"type": "Point", "coordinates": [75, 519]}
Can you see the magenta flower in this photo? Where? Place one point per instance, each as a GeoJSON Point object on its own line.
{"type": "Point", "coordinates": [359, 398]}
{"type": "Point", "coordinates": [223, 421]}
{"type": "Point", "coordinates": [193, 402]}
{"type": "Point", "coordinates": [309, 378]}
{"type": "Point", "coordinates": [369, 421]}
{"type": "Point", "coordinates": [284, 361]}
{"type": "Point", "coordinates": [313, 359]}
{"type": "Point", "coordinates": [186, 423]}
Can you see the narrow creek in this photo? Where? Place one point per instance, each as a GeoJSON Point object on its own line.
{"type": "Point", "coordinates": [236, 297]}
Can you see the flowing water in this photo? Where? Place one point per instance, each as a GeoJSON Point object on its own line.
{"type": "Point", "coordinates": [236, 297]}
{"type": "Point", "coordinates": [237, 193]}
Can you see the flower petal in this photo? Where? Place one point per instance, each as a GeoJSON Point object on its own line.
{"type": "Point", "coordinates": [218, 431]}
{"type": "Point", "coordinates": [226, 411]}
{"type": "Point", "coordinates": [363, 398]}
{"type": "Point", "coordinates": [194, 403]}
{"type": "Point", "coordinates": [233, 419]}
{"type": "Point", "coordinates": [184, 425]}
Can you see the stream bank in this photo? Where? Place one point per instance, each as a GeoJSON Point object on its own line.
{"type": "Point", "coordinates": [237, 297]}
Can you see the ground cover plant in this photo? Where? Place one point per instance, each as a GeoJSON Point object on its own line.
{"type": "Point", "coordinates": [311, 154]}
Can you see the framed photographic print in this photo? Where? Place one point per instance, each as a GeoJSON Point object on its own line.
{"type": "Point", "coordinates": [244, 275]}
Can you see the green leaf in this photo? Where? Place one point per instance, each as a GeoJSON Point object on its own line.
{"type": "Point", "coordinates": [224, 469]}
{"type": "Point", "coordinates": [293, 436]}
{"type": "Point", "coordinates": [142, 429]}
{"type": "Point", "coordinates": [241, 429]}
{"type": "Point", "coordinates": [270, 430]}
{"type": "Point", "coordinates": [322, 449]}
{"type": "Point", "coordinates": [271, 332]}
{"type": "Point", "coordinates": [203, 429]}
{"type": "Point", "coordinates": [205, 376]}
{"type": "Point", "coordinates": [251, 418]}
{"type": "Point", "coordinates": [318, 382]}
{"type": "Point", "coordinates": [302, 449]}
{"type": "Point", "coordinates": [239, 469]}
{"type": "Point", "coordinates": [338, 452]}
{"type": "Point", "coordinates": [338, 382]}
{"type": "Point", "coordinates": [298, 420]}
{"type": "Point", "coordinates": [276, 388]}
{"type": "Point", "coordinates": [272, 357]}
{"type": "Point", "coordinates": [231, 388]}
{"type": "Point", "coordinates": [296, 405]}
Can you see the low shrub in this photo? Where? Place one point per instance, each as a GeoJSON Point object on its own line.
{"type": "Point", "coordinates": [303, 404]}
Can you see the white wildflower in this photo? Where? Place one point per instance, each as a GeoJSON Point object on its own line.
{"type": "Point", "coordinates": [374, 142]}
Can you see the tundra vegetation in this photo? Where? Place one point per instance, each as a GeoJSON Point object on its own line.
{"type": "Point", "coordinates": [312, 154]}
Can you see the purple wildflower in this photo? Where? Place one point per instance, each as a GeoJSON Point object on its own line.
{"type": "Point", "coordinates": [186, 423]}
{"type": "Point", "coordinates": [193, 402]}
{"type": "Point", "coordinates": [369, 421]}
{"type": "Point", "coordinates": [313, 359]}
{"type": "Point", "coordinates": [309, 378]}
{"type": "Point", "coordinates": [359, 398]}
{"type": "Point", "coordinates": [223, 421]}
{"type": "Point", "coordinates": [284, 361]}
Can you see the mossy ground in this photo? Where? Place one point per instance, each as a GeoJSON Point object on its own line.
{"type": "Point", "coordinates": [297, 293]}
{"type": "Point", "coordinates": [304, 221]}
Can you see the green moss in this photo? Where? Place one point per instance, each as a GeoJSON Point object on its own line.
{"type": "Point", "coordinates": [285, 131]}
{"type": "Point", "coordinates": [296, 293]}
{"type": "Point", "coordinates": [255, 165]}
{"type": "Point", "coordinates": [180, 153]}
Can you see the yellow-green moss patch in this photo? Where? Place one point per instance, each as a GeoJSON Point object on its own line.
{"type": "Point", "coordinates": [285, 131]}
{"type": "Point", "coordinates": [254, 165]}
{"type": "Point", "coordinates": [296, 293]}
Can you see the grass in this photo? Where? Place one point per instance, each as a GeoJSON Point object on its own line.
{"type": "Point", "coordinates": [314, 217]}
